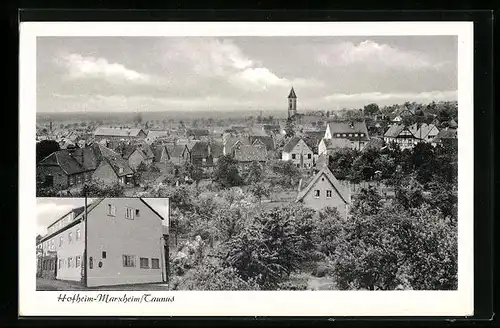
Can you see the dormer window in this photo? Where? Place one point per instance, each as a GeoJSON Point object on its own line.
{"type": "Point", "coordinates": [120, 170]}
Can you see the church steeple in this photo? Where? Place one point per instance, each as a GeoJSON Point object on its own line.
{"type": "Point", "coordinates": [292, 103]}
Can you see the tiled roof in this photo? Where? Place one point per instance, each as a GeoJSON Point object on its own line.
{"type": "Point", "coordinates": [394, 130]}
{"type": "Point", "coordinates": [158, 151]}
{"type": "Point", "coordinates": [421, 130]}
{"type": "Point", "coordinates": [349, 127]}
{"type": "Point", "coordinates": [445, 134]}
{"type": "Point", "coordinates": [266, 140]}
{"type": "Point", "coordinates": [325, 171]}
{"type": "Point", "coordinates": [198, 132]}
{"type": "Point", "coordinates": [201, 149]}
{"type": "Point", "coordinates": [374, 143]}
{"type": "Point", "coordinates": [291, 144]}
{"type": "Point", "coordinates": [157, 134]}
{"type": "Point", "coordinates": [176, 150]}
{"type": "Point", "coordinates": [249, 153]}
{"type": "Point", "coordinates": [337, 143]}
{"type": "Point", "coordinates": [117, 132]}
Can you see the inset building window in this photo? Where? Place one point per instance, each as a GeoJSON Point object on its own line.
{"type": "Point", "coordinates": [70, 237]}
{"type": "Point", "coordinates": [60, 241]}
{"type": "Point", "coordinates": [293, 156]}
{"type": "Point", "coordinates": [111, 210]}
{"type": "Point", "coordinates": [129, 261]}
{"type": "Point", "coordinates": [103, 255]}
{"type": "Point", "coordinates": [155, 263]}
{"type": "Point", "coordinates": [129, 214]}
{"type": "Point", "coordinates": [309, 156]}
{"type": "Point", "coordinates": [78, 261]}
{"type": "Point", "coordinates": [137, 213]}
{"type": "Point", "coordinates": [316, 193]}
{"type": "Point", "coordinates": [144, 262]}
{"type": "Point", "coordinates": [328, 193]}
{"type": "Point", "coordinates": [70, 262]}
{"type": "Point", "coordinates": [78, 234]}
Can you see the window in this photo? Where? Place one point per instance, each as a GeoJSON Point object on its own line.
{"type": "Point", "coordinates": [120, 170]}
{"type": "Point", "coordinates": [70, 237]}
{"type": "Point", "coordinates": [328, 194]}
{"type": "Point", "coordinates": [337, 135]}
{"type": "Point", "coordinates": [298, 165]}
{"type": "Point", "coordinates": [308, 156]}
{"type": "Point", "coordinates": [70, 262]}
{"type": "Point", "coordinates": [137, 213]}
{"type": "Point", "coordinates": [293, 156]}
{"type": "Point", "coordinates": [350, 134]}
{"type": "Point", "coordinates": [111, 210]}
{"type": "Point", "coordinates": [343, 134]}
{"type": "Point", "coordinates": [60, 263]}
{"type": "Point", "coordinates": [362, 134]}
{"type": "Point", "coordinates": [129, 214]}
{"type": "Point", "coordinates": [103, 255]}
{"type": "Point", "coordinates": [129, 261]}
{"type": "Point", "coordinates": [91, 262]}
{"type": "Point", "coordinates": [316, 193]}
{"type": "Point", "coordinates": [60, 241]}
{"type": "Point", "coordinates": [355, 134]}
{"type": "Point", "coordinates": [77, 234]}
{"type": "Point", "coordinates": [144, 263]}
{"type": "Point", "coordinates": [155, 263]}
{"type": "Point", "coordinates": [78, 261]}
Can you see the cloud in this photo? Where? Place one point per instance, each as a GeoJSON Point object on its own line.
{"type": "Point", "coordinates": [374, 56]}
{"type": "Point", "coordinates": [80, 67]}
{"type": "Point", "coordinates": [392, 97]}
{"type": "Point", "coordinates": [214, 58]}
{"type": "Point", "coordinates": [48, 212]}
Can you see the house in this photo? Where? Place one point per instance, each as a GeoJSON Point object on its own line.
{"type": "Point", "coordinates": [197, 133]}
{"type": "Point", "coordinates": [179, 154]}
{"type": "Point", "coordinates": [452, 124]}
{"type": "Point", "coordinates": [297, 151]}
{"type": "Point", "coordinates": [446, 137]}
{"type": "Point", "coordinates": [401, 135]}
{"type": "Point", "coordinates": [136, 154]}
{"type": "Point", "coordinates": [111, 241]}
{"type": "Point", "coordinates": [355, 132]}
{"type": "Point", "coordinates": [205, 153]}
{"type": "Point", "coordinates": [245, 155]}
{"type": "Point", "coordinates": [117, 134]}
{"type": "Point", "coordinates": [161, 154]}
{"type": "Point", "coordinates": [424, 132]}
{"type": "Point", "coordinates": [313, 138]}
{"type": "Point", "coordinates": [154, 135]}
{"type": "Point", "coordinates": [69, 167]}
{"type": "Point", "coordinates": [230, 144]}
{"type": "Point", "coordinates": [265, 140]}
{"type": "Point", "coordinates": [324, 190]}
{"type": "Point", "coordinates": [327, 146]}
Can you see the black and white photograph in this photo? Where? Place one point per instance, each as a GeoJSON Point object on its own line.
{"type": "Point", "coordinates": [239, 162]}
{"type": "Point", "coordinates": [110, 243]}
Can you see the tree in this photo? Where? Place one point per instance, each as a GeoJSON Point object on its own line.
{"type": "Point", "coordinates": [396, 249]}
{"type": "Point", "coordinates": [289, 128]}
{"type": "Point", "coordinates": [367, 202]}
{"type": "Point", "coordinates": [254, 174]}
{"type": "Point", "coordinates": [194, 172]}
{"type": "Point", "coordinates": [226, 172]}
{"type": "Point", "coordinates": [260, 189]}
{"type": "Point", "coordinates": [272, 245]}
{"type": "Point", "coordinates": [137, 119]}
{"type": "Point", "coordinates": [287, 173]}
{"type": "Point", "coordinates": [97, 188]}
{"type": "Point", "coordinates": [371, 109]}
{"type": "Point", "coordinates": [44, 148]}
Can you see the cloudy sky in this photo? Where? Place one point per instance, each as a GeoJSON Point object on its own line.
{"type": "Point", "coordinates": [50, 209]}
{"type": "Point", "coordinates": [117, 74]}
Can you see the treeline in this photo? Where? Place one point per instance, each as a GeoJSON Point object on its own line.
{"type": "Point", "coordinates": [407, 243]}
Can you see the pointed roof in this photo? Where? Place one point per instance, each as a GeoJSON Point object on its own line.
{"type": "Point", "coordinates": [290, 145]}
{"type": "Point", "coordinates": [325, 171]}
{"type": "Point", "coordinates": [292, 94]}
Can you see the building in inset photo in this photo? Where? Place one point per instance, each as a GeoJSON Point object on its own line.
{"type": "Point", "coordinates": [104, 241]}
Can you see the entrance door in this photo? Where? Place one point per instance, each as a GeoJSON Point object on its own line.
{"type": "Point", "coordinates": [49, 181]}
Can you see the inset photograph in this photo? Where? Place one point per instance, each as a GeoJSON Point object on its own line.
{"type": "Point", "coordinates": [102, 243]}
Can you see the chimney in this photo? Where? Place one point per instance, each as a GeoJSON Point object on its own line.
{"type": "Point", "coordinates": [300, 185]}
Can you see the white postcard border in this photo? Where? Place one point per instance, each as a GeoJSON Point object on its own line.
{"type": "Point", "coordinates": [247, 303]}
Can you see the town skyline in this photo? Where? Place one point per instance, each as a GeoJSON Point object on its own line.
{"type": "Point", "coordinates": [161, 74]}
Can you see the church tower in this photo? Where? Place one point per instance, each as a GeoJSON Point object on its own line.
{"type": "Point", "coordinates": [292, 103]}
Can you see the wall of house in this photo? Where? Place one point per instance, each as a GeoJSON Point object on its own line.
{"type": "Point", "coordinates": [105, 173]}
{"type": "Point", "coordinates": [60, 177]}
{"type": "Point", "coordinates": [66, 249]}
{"type": "Point", "coordinates": [302, 148]}
{"type": "Point", "coordinates": [318, 203]}
{"type": "Point", "coordinates": [135, 160]}
{"type": "Point", "coordinates": [118, 236]}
